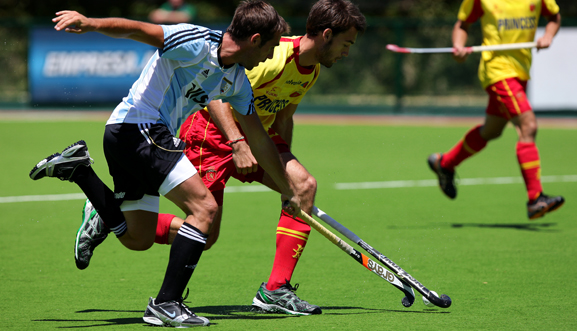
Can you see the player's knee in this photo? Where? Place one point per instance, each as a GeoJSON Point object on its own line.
{"type": "Point", "coordinates": [211, 208]}
{"type": "Point", "coordinates": [488, 135]}
{"type": "Point", "coordinates": [530, 129]}
{"type": "Point", "coordinates": [204, 210]}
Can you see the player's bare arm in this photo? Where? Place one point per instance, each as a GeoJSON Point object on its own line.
{"type": "Point", "coordinates": [459, 39]}
{"type": "Point", "coordinates": [267, 155]}
{"type": "Point", "coordinates": [221, 114]}
{"type": "Point", "coordinates": [283, 123]}
{"type": "Point", "coordinates": [74, 22]}
{"type": "Point", "coordinates": [551, 30]}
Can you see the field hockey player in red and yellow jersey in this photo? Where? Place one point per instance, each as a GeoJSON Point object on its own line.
{"type": "Point", "coordinates": [504, 75]}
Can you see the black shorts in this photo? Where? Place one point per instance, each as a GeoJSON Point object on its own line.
{"type": "Point", "coordinates": [139, 157]}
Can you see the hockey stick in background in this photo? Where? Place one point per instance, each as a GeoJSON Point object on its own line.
{"type": "Point", "coordinates": [502, 47]}
{"type": "Point", "coordinates": [443, 301]}
{"type": "Point", "coordinates": [377, 269]}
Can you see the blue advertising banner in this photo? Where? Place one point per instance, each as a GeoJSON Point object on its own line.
{"type": "Point", "coordinates": [88, 68]}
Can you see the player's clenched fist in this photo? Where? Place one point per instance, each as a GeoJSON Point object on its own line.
{"type": "Point", "coordinates": [291, 205]}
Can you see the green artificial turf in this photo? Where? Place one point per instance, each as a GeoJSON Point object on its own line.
{"type": "Point", "coordinates": [502, 271]}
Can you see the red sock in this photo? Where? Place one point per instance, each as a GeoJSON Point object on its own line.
{"type": "Point", "coordinates": [292, 235]}
{"type": "Point", "coordinates": [470, 145]}
{"type": "Point", "coordinates": [163, 228]}
{"type": "Point", "coordinates": [530, 166]}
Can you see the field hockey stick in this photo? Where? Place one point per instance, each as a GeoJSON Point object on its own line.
{"type": "Point", "coordinates": [372, 266]}
{"type": "Point", "coordinates": [502, 47]}
{"type": "Point", "coordinates": [443, 301]}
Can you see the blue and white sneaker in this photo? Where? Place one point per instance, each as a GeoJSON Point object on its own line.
{"type": "Point", "coordinates": [172, 313]}
{"type": "Point", "coordinates": [62, 165]}
{"type": "Point", "coordinates": [283, 300]}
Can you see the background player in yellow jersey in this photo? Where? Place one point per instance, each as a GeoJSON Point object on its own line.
{"type": "Point", "coordinates": [503, 75]}
{"type": "Point", "coordinates": [217, 147]}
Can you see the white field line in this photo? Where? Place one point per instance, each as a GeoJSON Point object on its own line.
{"type": "Point", "coordinates": [81, 196]}
{"type": "Point", "coordinates": [461, 182]}
{"type": "Point", "coordinates": [338, 186]}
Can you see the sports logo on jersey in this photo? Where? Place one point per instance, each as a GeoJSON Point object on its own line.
{"type": "Point", "coordinates": [295, 94]}
{"type": "Point", "coordinates": [206, 73]}
{"type": "Point", "coordinates": [532, 6]}
{"type": "Point", "coordinates": [211, 174]}
{"type": "Point", "coordinates": [273, 92]}
{"type": "Point", "coordinates": [268, 105]}
{"type": "Point", "coordinates": [197, 95]}
{"type": "Point", "coordinates": [292, 82]}
{"type": "Point", "coordinates": [304, 85]}
{"type": "Point", "coordinates": [226, 85]}
{"type": "Point", "coordinates": [517, 23]}
{"type": "Point", "coordinates": [176, 141]}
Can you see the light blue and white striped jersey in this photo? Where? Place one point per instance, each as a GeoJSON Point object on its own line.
{"type": "Point", "coordinates": [182, 78]}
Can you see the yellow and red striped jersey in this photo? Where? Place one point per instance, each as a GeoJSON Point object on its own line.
{"type": "Point", "coordinates": [280, 81]}
{"type": "Point", "coordinates": [505, 22]}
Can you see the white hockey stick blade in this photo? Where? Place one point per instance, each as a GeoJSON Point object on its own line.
{"type": "Point", "coordinates": [483, 48]}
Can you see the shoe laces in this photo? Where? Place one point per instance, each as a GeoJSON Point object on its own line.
{"type": "Point", "coordinates": [184, 306]}
{"type": "Point", "coordinates": [80, 142]}
{"type": "Point", "coordinates": [288, 286]}
{"type": "Point", "coordinates": [94, 225]}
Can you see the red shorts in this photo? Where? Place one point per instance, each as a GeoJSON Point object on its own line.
{"type": "Point", "coordinates": [508, 98]}
{"type": "Point", "coordinates": [213, 159]}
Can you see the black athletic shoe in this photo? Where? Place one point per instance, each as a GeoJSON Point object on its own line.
{"type": "Point", "coordinates": [172, 313]}
{"type": "Point", "coordinates": [445, 177]}
{"type": "Point", "coordinates": [91, 233]}
{"type": "Point", "coordinates": [543, 204]}
{"type": "Point", "coordinates": [283, 300]}
{"type": "Point", "coordinates": [62, 165]}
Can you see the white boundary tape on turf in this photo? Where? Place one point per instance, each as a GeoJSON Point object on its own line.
{"type": "Point", "coordinates": [338, 186]}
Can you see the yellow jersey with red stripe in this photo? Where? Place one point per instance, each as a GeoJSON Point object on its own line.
{"type": "Point", "coordinates": [505, 22]}
{"type": "Point", "coordinates": [280, 81]}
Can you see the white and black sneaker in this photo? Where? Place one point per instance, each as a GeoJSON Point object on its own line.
{"type": "Point", "coordinates": [283, 300]}
{"type": "Point", "coordinates": [62, 165]}
{"type": "Point", "coordinates": [172, 313]}
{"type": "Point", "coordinates": [91, 233]}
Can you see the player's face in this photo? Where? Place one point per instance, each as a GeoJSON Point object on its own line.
{"type": "Point", "coordinates": [261, 53]}
{"type": "Point", "coordinates": [337, 47]}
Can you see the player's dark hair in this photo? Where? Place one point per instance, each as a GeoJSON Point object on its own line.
{"type": "Point", "coordinates": [253, 17]}
{"type": "Point", "coordinates": [337, 15]}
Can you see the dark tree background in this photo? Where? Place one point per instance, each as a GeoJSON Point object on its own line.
{"type": "Point", "coordinates": [370, 70]}
{"type": "Point", "coordinates": [223, 9]}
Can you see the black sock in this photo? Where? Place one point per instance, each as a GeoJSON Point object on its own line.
{"type": "Point", "coordinates": [185, 253]}
{"type": "Point", "coordinates": [102, 198]}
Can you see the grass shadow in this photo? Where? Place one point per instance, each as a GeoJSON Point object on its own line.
{"type": "Point", "coordinates": [530, 226]}
{"type": "Point", "coordinates": [544, 227]}
{"type": "Point", "coordinates": [217, 313]}
{"type": "Point", "coordinates": [377, 310]}
{"type": "Point", "coordinates": [248, 313]}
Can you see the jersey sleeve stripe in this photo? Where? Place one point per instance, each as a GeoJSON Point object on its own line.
{"type": "Point", "coordinates": [176, 34]}
{"type": "Point", "coordinates": [189, 37]}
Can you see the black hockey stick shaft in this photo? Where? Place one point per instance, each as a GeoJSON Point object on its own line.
{"type": "Point", "coordinates": [372, 266]}
{"type": "Point", "coordinates": [443, 301]}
